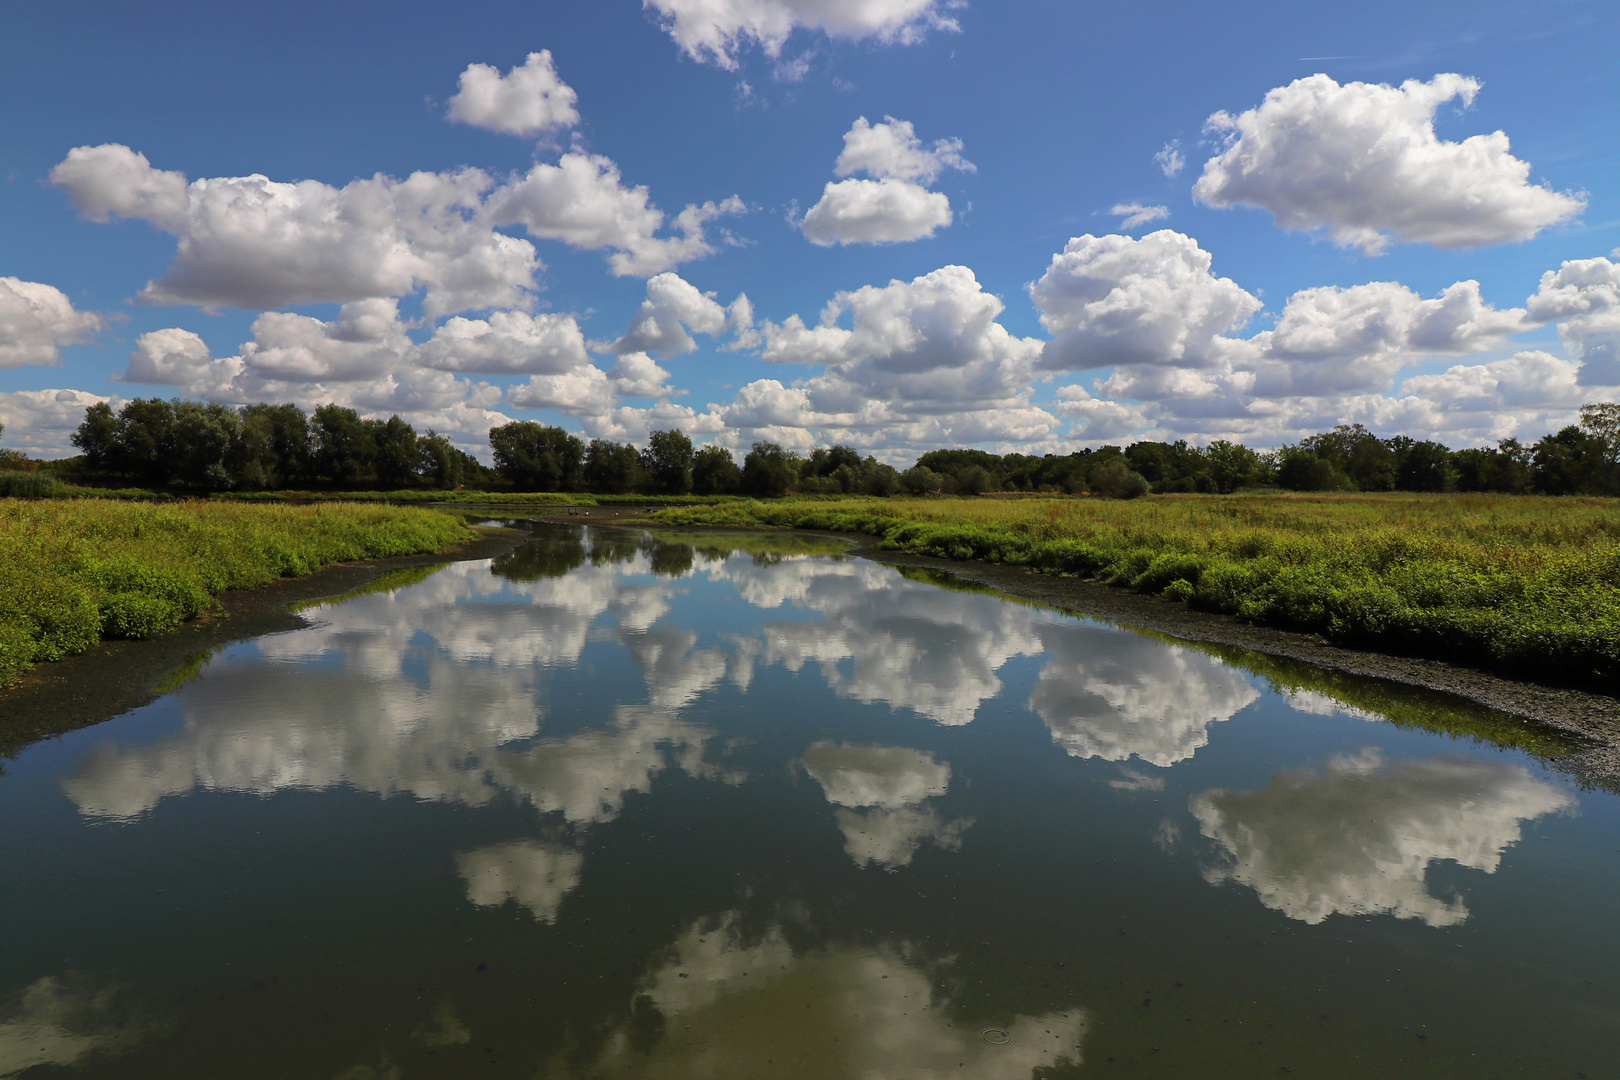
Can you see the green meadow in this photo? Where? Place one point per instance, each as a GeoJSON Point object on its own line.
{"type": "Point", "coordinates": [76, 571]}
{"type": "Point", "coordinates": [1522, 585]}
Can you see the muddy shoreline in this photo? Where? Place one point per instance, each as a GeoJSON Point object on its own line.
{"type": "Point", "coordinates": [113, 677]}
{"type": "Point", "coordinates": [1592, 718]}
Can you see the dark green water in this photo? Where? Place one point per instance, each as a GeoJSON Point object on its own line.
{"type": "Point", "coordinates": [625, 805]}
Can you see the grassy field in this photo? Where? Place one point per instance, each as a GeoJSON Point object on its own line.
{"type": "Point", "coordinates": [1523, 585]}
{"type": "Point", "coordinates": [75, 571]}
{"type": "Point", "coordinates": [39, 485]}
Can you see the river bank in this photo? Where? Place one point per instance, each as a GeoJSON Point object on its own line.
{"type": "Point", "coordinates": [1591, 718]}
{"type": "Point", "coordinates": [113, 676]}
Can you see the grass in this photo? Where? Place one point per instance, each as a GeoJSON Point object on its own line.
{"type": "Point", "coordinates": [476, 498]}
{"type": "Point", "coordinates": [1522, 585]}
{"type": "Point", "coordinates": [45, 486]}
{"type": "Point", "coordinates": [76, 571]}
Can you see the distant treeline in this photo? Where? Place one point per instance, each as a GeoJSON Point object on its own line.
{"type": "Point", "coordinates": [1580, 459]}
{"type": "Point", "coordinates": [265, 447]}
{"type": "Point", "coordinates": [270, 447]}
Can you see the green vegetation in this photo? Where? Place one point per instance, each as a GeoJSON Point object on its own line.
{"type": "Point", "coordinates": [193, 446]}
{"type": "Point", "coordinates": [1486, 580]}
{"type": "Point", "coordinates": [77, 571]}
{"type": "Point", "coordinates": [214, 447]}
{"type": "Point", "coordinates": [470, 498]}
{"type": "Point", "coordinates": [29, 485]}
{"type": "Point", "coordinates": [1401, 705]}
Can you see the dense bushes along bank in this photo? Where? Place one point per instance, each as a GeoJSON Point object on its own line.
{"type": "Point", "coordinates": [1491, 581]}
{"type": "Point", "coordinates": [77, 571]}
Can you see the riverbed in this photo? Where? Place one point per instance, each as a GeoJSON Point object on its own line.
{"type": "Point", "coordinates": [623, 803]}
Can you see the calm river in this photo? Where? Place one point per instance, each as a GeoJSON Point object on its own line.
{"type": "Point", "coordinates": [627, 804]}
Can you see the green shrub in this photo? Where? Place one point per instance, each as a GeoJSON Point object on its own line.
{"type": "Point", "coordinates": [29, 485]}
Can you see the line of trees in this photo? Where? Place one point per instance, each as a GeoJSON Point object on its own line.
{"type": "Point", "coordinates": [259, 447]}
{"type": "Point", "coordinates": [536, 457]}
{"type": "Point", "coordinates": [265, 447]}
{"type": "Point", "coordinates": [1581, 459]}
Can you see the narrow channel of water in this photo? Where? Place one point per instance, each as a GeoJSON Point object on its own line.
{"type": "Point", "coordinates": [628, 804]}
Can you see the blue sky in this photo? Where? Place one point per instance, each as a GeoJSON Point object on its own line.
{"type": "Point", "coordinates": [945, 175]}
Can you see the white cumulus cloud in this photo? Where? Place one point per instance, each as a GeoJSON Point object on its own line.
{"type": "Point", "coordinates": [583, 202]}
{"type": "Point", "coordinates": [36, 320]}
{"type": "Point", "coordinates": [255, 243]}
{"type": "Point", "coordinates": [892, 151]}
{"type": "Point", "coordinates": [1363, 162]}
{"type": "Point", "coordinates": [531, 99]}
{"type": "Point", "coordinates": [1117, 300]}
{"type": "Point", "coordinates": [40, 422]}
{"type": "Point", "coordinates": [506, 343]}
{"type": "Point", "coordinates": [1584, 296]}
{"type": "Point", "coordinates": [893, 206]}
{"type": "Point", "coordinates": [920, 359]}
{"type": "Point", "coordinates": [1344, 339]}
{"type": "Point", "coordinates": [673, 311]}
{"type": "Point", "coordinates": [178, 357]}
{"type": "Point", "coordinates": [715, 31]}
{"type": "Point", "coordinates": [875, 212]}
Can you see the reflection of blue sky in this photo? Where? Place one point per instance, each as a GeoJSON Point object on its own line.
{"type": "Point", "coordinates": [1358, 837]}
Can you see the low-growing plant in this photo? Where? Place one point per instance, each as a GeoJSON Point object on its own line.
{"type": "Point", "coordinates": [78, 570]}
{"type": "Point", "coordinates": [1516, 584]}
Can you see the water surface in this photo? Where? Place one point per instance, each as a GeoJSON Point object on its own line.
{"type": "Point", "coordinates": [625, 804]}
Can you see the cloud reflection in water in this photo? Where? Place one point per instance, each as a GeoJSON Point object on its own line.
{"type": "Point", "coordinates": [724, 1005]}
{"type": "Point", "coordinates": [879, 793]}
{"type": "Point", "coordinates": [1357, 838]}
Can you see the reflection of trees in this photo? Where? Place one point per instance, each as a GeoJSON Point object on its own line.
{"type": "Point", "coordinates": [1358, 837]}
{"type": "Point", "coordinates": [609, 546]}
{"type": "Point", "coordinates": [669, 560]}
{"type": "Point", "coordinates": [729, 1005]}
{"type": "Point", "coordinates": [539, 559]}
{"type": "Point", "coordinates": [879, 792]}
